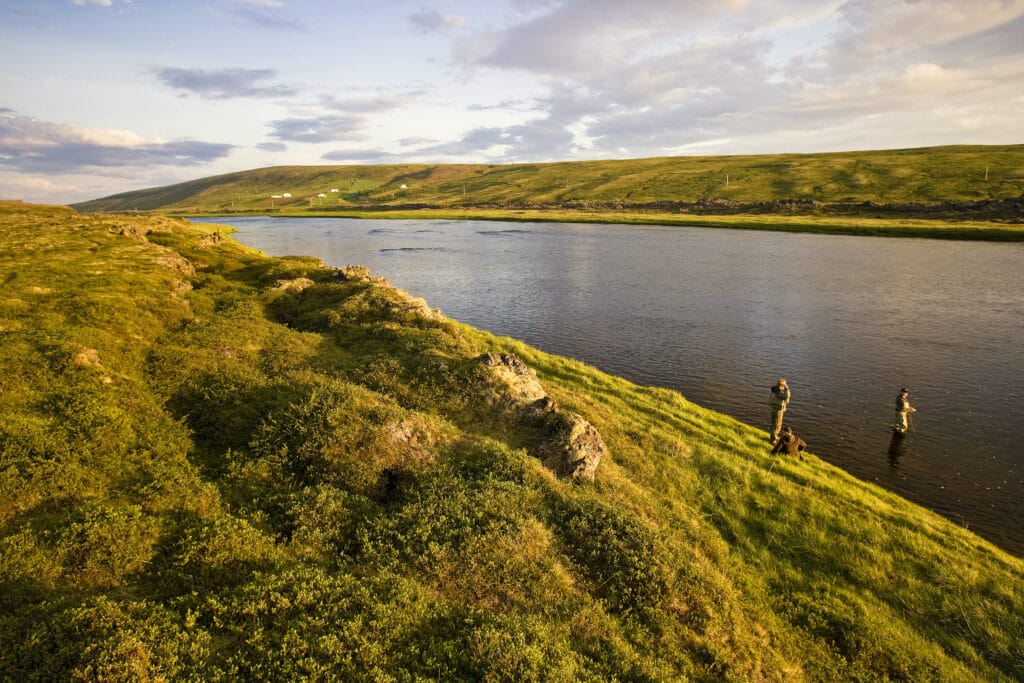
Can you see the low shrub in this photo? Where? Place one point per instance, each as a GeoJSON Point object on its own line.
{"type": "Point", "coordinates": [622, 557]}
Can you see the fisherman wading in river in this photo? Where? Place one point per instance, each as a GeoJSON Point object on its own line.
{"type": "Point", "coordinates": [778, 400]}
{"type": "Point", "coordinates": [903, 411]}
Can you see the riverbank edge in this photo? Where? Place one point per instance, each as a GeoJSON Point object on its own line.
{"type": "Point", "coordinates": [983, 231]}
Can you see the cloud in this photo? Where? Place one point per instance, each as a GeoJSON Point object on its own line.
{"type": "Point", "coordinates": [650, 103]}
{"type": "Point", "coordinates": [474, 142]}
{"type": "Point", "coordinates": [931, 79]}
{"type": "Point", "coordinates": [542, 139]}
{"type": "Point", "coordinates": [530, 141]}
{"type": "Point", "coordinates": [319, 129]}
{"type": "Point", "coordinates": [33, 188]}
{"type": "Point", "coordinates": [649, 76]}
{"type": "Point", "coordinates": [98, 3]}
{"type": "Point", "coordinates": [270, 21]}
{"type": "Point", "coordinates": [578, 37]}
{"type": "Point", "coordinates": [504, 105]}
{"type": "Point", "coordinates": [33, 184]}
{"type": "Point", "coordinates": [30, 145]}
{"type": "Point", "coordinates": [877, 28]}
{"type": "Point", "coordinates": [428, 20]}
{"type": "Point", "coordinates": [222, 83]}
{"type": "Point", "coordinates": [266, 14]}
{"type": "Point", "coordinates": [272, 147]}
{"type": "Point", "coordinates": [644, 76]}
{"type": "Point", "coordinates": [368, 105]}
{"type": "Point", "coordinates": [349, 119]}
{"type": "Point", "coordinates": [361, 156]}
{"type": "Point", "coordinates": [412, 142]}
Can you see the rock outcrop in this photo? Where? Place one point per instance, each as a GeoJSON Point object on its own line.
{"type": "Point", "coordinates": [294, 286]}
{"type": "Point", "coordinates": [576, 448]}
{"type": "Point", "coordinates": [569, 446]}
{"type": "Point", "coordinates": [518, 381]}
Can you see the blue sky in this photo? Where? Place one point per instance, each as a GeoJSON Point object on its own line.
{"type": "Point", "coordinates": [104, 96]}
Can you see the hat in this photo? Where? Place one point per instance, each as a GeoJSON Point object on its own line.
{"type": "Point", "coordinates": [904, 391]}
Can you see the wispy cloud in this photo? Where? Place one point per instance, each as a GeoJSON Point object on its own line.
{"type": "Point", "coordinates": [427, 20]}
{"type": "Point", "coordinates": [504, 105]}
{"type": "Point", "coordinates": [27, 144]}
{"type": "Point", "coordinates": [269, 20]}
{"type": "Point", "coordinates": [361, 156]}
{"type": "Point", "coordinates": [319, 129]}
{"type": "Point", "coordinates": [223, 83]}
{"type": "Point", "coordinates": [368, 105]}
{"type": "Point", "coordinates": [272, 146]}
{"type": "Point", "coordinates": [414, 141]}
{"type": "Point", "coordinates": [541, 139]}
{"type": "Point", "coordinates": [268, 14]}
{"type": "Point", "coordinates": [348, 118]}
{"type": "Point", "coordinates": [98, 3]}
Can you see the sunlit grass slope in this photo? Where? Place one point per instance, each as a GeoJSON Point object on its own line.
{"type": "Point", "coordinates": [925, 175]}
{"type": "Point", "coordinates": [219, 466]}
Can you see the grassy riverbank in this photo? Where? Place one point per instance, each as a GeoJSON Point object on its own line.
{"type": "Point", "coordinates": [962, 192]}
{"type": "Point", "coordinates": [878, 227]}
{"type": "Point", "coordinates": [219, 466]}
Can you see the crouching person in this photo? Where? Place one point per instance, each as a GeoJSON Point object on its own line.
{"type": "Point", "coordinates": [790, 443]}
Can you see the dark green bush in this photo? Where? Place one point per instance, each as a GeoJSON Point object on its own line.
{"type": "Point", "coordinates": [620, 555]}
{"type": "Point", "coordinates": [309, 625]}
{"type": "Point", "coordinates": [323, 523]}
{"type": "Point", "coordinates": [858, 645]}
{"type": "Point", "coordinates": [213, 554]}
{"type": "Point", "coordinates": [342, 434]}
{"type": "Point", "coordinates": [106, 545]}
{"type": "Point", "coordinates": [223, 408]}
{"type": "Point", "coordinates": [104, 640]}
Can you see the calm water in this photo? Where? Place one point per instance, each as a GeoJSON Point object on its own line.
{"type": "Point", "coordinates": [720, 314]}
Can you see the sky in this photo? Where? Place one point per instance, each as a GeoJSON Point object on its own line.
{"type": "Point", "coordinates": [105, 96]}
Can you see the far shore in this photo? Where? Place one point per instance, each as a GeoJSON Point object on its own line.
{"type": "Point", "coordinates": [989, 231]}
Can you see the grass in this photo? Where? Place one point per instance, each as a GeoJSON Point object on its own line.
{"type": "Point", "coordinates": [216, 465]}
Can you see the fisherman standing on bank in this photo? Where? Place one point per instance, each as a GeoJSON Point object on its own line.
{"type": "Point", "coordinates": [903, 410]}
{"type": "Point", "coordinates": [778, 401]}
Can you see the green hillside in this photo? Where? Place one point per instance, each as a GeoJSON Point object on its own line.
{"type": "Point", "coordinates": [910, 176]}
{"type": "Point", "coordinates": [218, 466]}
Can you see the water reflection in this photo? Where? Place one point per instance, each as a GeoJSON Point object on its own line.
{"type": "Point", "coordinates": [897, 449]}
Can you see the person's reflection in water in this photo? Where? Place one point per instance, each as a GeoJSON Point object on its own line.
{"type": "Point", "coordinates": [897, 449]}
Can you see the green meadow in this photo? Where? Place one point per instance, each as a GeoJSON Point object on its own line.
{"type": "Point", "coordinates": [961, 192]}
{"type": "Point", "coordinates": [219, 466]}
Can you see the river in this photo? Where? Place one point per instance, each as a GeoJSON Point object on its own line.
{"type": "Point", "coordinates": [720, 314]}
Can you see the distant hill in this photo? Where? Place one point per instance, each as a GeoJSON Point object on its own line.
{"type": "Point", "coordinates": [930, 176]}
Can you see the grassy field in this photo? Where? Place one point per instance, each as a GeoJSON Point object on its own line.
{"type": "Point", "coordinates": [892, 177]}
{"type": "Point", "coordinates": [216, 465]}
